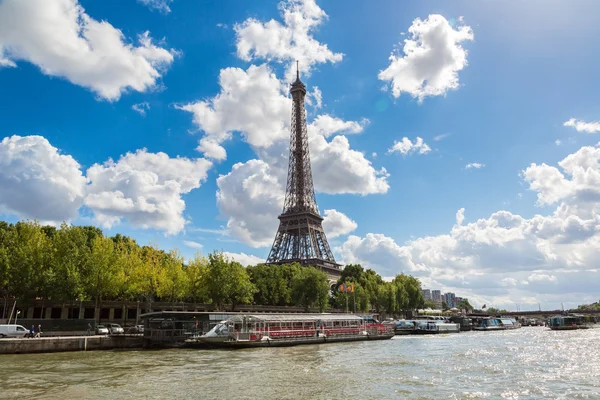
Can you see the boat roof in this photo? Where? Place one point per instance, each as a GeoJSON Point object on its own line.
{"type": "Point", "coordinates": [297, 317]}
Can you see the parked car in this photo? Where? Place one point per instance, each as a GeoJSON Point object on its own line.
{"type": "Point", "coordinates": [136, 329]}
{"type": "Point", "coordinates": [101, 330]}
{"type": "Point", "coordinates": [115, 329]}
{"type": "Point", "coordinates": [12, 330]}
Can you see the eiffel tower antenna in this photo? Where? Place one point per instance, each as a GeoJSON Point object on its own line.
{"type": "Point", "coordinates": [300, 237]}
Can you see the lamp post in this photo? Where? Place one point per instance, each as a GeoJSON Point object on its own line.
{"type": "Point", "coordinates": [17, 316]}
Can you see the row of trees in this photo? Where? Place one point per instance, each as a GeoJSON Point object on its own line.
{"type": "Point", "coordinates": [80, 263]}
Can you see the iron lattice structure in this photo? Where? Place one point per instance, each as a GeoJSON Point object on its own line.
{"type": "Point", "coordinates": [300, 237]}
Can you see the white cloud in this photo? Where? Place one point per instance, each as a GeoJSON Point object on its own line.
{"type": "Point", "coordinates": [506, 258]}
{"type": "Point", "coordinates": [251, 198]}
{"type": "Point", "coordinates": [337, 169]}
{"type": "Point", "coordinates": [244, 259]}
{"type": "Point", "coordinates": [141, 108]}
{"type": "Point", "coordinates": [286, 42]}
{"type": "Point", "coordinates": [474, 165]}
{"type": "Point", "coordinates": [326, 125]}
{"type": "Point", "coordinates": [145, 189]}
{"type": "Point", "coordinates": [337, 223]}
{"type": "Point", "coordinates": [405, 146]}
{"type": "Point", "coordinates": [315, 98]}
{"type": "Point", "coordinates": [193, 245]}
{"type": "Point", "coordinates": [433, 55]}
{"type": "Point", "coordinates": [37, 181]}
{"type": "Point", "coordinates": [582, 126]}
{"type": "Point", "coordinates": [251, 101]}
{"type": "Point", "coordinates": [557, 142]}
{"type": "Point", "coordinates": [159, 5]}
{"type": "Point", "coordinates": [62, 40]}
{"type": "Point", "coordinates": [460, 216]}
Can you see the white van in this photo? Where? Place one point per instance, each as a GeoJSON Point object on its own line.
{"type": "Point", "coordinates": [16, 331]}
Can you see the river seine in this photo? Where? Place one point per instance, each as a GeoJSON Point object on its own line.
{"type": "Point", "coordinates": [528, 363]}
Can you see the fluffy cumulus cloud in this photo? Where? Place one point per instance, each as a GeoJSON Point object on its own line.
{"type": "Point", "coordinates": [289, 41]}
{"type": "Point", "coordinates": [244, 259]}
{"type": "Point", "coordinates": [338, 169]}
{"type": "Point", "coordinates": [406, 146]}
{"type": "Point", "coordinates": [326, 125]}
{"type": "Point", "coordinates": [337, 223]}
{"type": "Point", "coordinates": [251, 197]}
{"type": "Point", "coordinates": [433, 56]}
{"type": "Point", "coordinates": [582, 126]}
{"type": "Point", "coordinates": [62, 40]}
{"type": "Point", "coordinates": [506, 258]}
{"type": "Point", "coordinates": [145, 189]}
{"type": "Point", "coordinates": [158, 5]}
{"type": "Point", "coordinates": [252, 102]}
{"type": "Point", "coordinates": [39, 182]}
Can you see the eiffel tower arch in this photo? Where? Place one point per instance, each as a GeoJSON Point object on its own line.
{"type": "Point", "coordinates": [300, 237]}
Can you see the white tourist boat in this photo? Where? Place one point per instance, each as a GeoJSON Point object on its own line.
{"type": "Point", "coordinates": [265, 330]}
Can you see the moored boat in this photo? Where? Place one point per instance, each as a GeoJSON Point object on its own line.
{"type": "Point", "coordinates": [466, 324]}
{"type": "Point", "coordinates": [567, 323]}
{"type": "Point", "coordinates": [510, 323]}
{"type": "Point", "coordinates": [405, 327]}
{"type": "Point", "coordinates": [266, 330]}
{"type": "Point", "coordinates": [488, 324]}
{"type": "Point", "coordinates": [436, 327]}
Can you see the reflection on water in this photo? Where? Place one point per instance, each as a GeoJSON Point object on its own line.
{"type": "Point", "coordinates": [529, 363]}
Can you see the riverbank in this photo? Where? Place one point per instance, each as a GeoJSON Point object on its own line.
{"type": "Point", "coordinates": [69, 343]}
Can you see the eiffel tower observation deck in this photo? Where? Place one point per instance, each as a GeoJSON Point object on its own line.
{"type": "Point", "coordinates": [300, 237]}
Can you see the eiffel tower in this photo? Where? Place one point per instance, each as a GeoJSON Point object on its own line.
{"type": "Point", "coordinates": [300, 237]}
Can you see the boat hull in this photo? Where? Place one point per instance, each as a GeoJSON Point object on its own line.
{"type": "Point", "coordinates": [492, 328]}
{"type": "Point", "coordinates": [568, 328]}
{"type": "Point", "coordinates": [240, 344]}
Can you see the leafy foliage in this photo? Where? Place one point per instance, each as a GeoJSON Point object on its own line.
{"type": "Point", "coordinates": [72, 263]}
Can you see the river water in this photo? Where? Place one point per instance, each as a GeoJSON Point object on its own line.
{"type": "Point", "coordinates": [528, 363]}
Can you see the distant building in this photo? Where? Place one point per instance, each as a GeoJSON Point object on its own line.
{"type": "Point", "coordinates": [426, 294]}
{"type": "Point", "coordinates": [436, 296]}
{"type": "Point", "coordinates": [449, 299]}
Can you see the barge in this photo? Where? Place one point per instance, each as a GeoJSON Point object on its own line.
{"type": "Point", "coordinates": [567, 323]}
{"type": "Point", "coordinates": [277, 330]}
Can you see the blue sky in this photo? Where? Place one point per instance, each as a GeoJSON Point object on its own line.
{"type": "Point", "coordinates": [495, 85]}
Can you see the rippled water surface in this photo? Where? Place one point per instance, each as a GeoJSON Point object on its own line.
{"type": "Point", "coordinates": [528, 363]}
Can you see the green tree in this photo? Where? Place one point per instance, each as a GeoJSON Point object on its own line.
{"type": "Point", "coordinates": [409, 288]}
{"type": "Point", "coordinates": [465, 305]}
{"type": "Point", "coordinates": [273, 283]}
{"type": "Point", "coordinates": [242, 290]}
{"type": "Point", "coordinates": [227, 282]}
{"type": "Point", "coordinates": [29, 264]}
{"type": "Point", "coordinates": [196, 271]}
{"type": "Point", "coordinates": [101, 274]}
{"type": "Point", "coordinates": [310, 288]}
{"type": "Point", "coordinates": [173, 280]}
{"type": "Point", "coordinates": [146, 279]}
{"type": "Point", "coordinates": [387, 298]}
{"type": "Point", "coordinates": [70, 257]}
